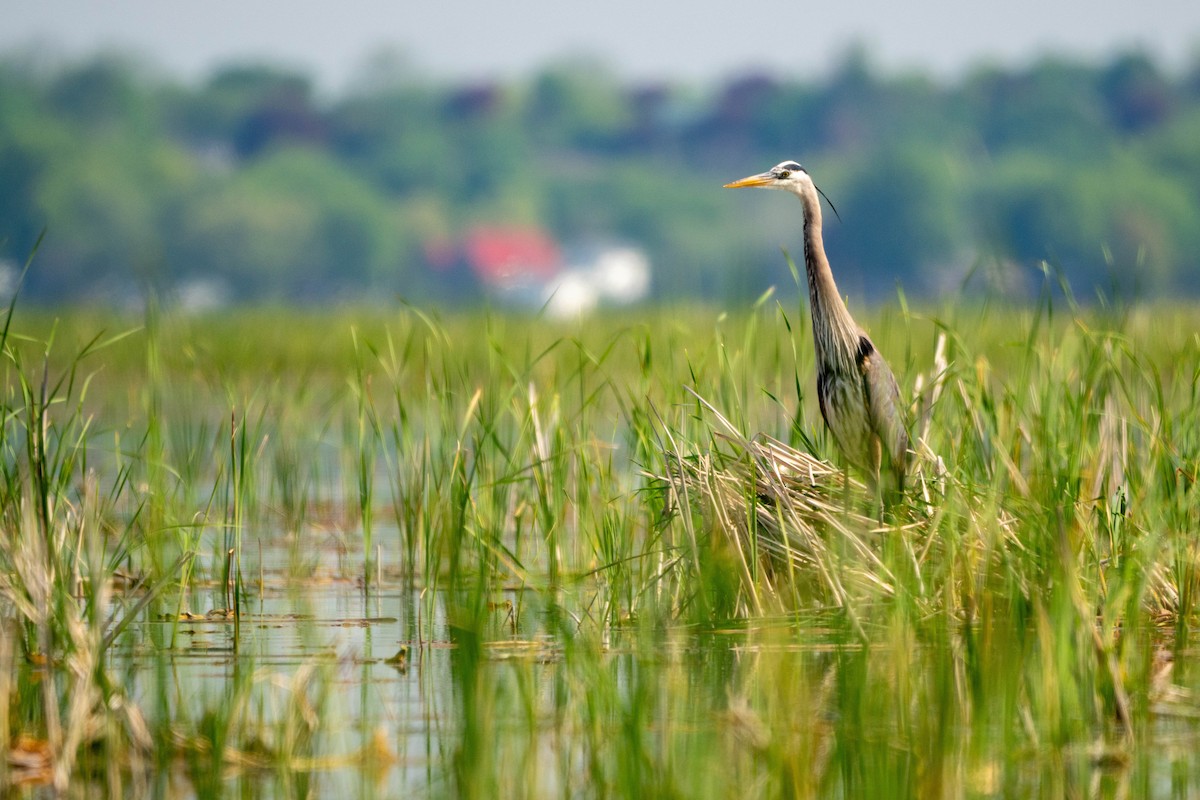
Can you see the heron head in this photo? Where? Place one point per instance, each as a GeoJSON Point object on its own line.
{"type": "Point", "coordinates": [787, 175]}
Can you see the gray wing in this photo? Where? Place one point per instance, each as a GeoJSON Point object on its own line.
{"type": "Point", "coordinates": [887, 415]}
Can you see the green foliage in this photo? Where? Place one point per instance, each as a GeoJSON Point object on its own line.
{"type": "Point", "coordinates": [907, 203]}
{"type": "Point", "coordinates": [576, 104]}
{"type": "Point", "coordinates": [256, 180]}
{"type": "Point", "coordinates": [1054, 108]}
{"type": "Point", "coordinates": [1110, 222]}
{"type": "Point", "coordinates": [277, 228]}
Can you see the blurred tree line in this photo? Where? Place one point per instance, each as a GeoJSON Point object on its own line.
{"type": "Point", "coordinates": [255, 182]}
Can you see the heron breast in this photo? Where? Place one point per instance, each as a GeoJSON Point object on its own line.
{"type": "Point", "coordinates": [844, 406]}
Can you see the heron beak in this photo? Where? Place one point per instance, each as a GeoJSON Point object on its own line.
{"type": "Point", "coordinates": [765, 179]}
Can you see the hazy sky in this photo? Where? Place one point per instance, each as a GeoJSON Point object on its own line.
{"type": "Point", "coordinates": [674, 39]}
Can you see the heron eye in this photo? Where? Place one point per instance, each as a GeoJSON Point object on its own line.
{"type": "Point", "coordinates": [783, 173]}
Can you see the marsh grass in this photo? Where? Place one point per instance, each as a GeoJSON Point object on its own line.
{"type": "Point", "coordinates": [625, 558]}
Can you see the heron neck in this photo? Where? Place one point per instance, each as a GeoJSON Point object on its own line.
{"type": "Point", "coordinates": [834, 330]}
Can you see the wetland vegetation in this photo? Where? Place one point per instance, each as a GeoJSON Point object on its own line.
{"type": "Point", "coordinates": [285, 553]}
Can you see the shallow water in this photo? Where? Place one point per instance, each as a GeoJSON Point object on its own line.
{"type": "Point", "coordinates": [528, 696]}
{"type": "Point", "coordinates": [322, 649]}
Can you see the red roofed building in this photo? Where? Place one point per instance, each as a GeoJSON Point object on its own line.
{"type": "Point", "coordinates": [526, 268]}
{"type": "Point", "coordinates": [510, 263]}
{"type": "Point", "coordinates": [504, 256]}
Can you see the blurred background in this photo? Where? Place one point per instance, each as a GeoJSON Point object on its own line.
{"type": "Point", "coordinates": [549, 154]}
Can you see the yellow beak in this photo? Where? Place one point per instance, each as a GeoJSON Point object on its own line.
{"type": "Point", "coordinates": [754, 180]}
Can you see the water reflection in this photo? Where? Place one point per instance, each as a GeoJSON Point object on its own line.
{"type": "Point", "coordinates": [515, 691]}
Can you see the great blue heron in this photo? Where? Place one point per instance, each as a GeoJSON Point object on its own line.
{"type": "Point", "coordinates": [855, 387]}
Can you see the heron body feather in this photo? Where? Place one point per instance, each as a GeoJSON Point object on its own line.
{"type": "Point", "coordinates": [856, 390]}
